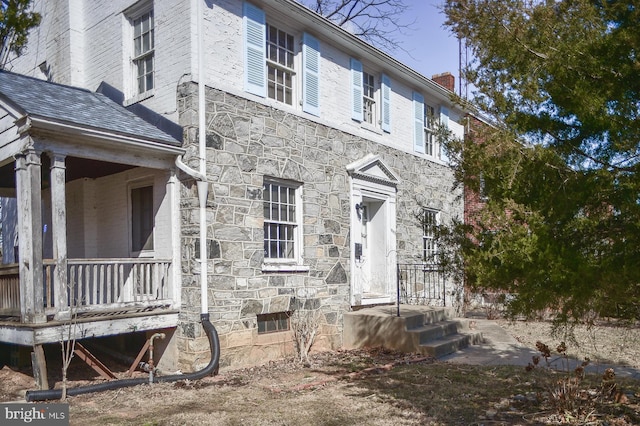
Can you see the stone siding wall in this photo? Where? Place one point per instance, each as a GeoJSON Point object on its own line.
{"type": "Point", "coordinates": [247, 141]}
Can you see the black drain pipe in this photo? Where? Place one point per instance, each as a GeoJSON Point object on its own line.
{"type": "Point", "coordinates": [211, 368]}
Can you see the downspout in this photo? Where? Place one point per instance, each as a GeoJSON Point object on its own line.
{"type": "Point", "coordinates": [214, 344]}
{"type": "Point", "coordinates": [203, 188]}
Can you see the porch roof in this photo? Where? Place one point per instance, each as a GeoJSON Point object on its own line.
{"type": "Point", "coordinates": [65, 104]}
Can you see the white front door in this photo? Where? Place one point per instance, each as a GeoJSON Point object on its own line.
{"type": "Point", "coordinates": [373, 232]}
{"type": "Point", "coordinates": [372, 264]}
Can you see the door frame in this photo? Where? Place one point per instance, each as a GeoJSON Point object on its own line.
{"type": "Point", "coordinates": [371, 179]}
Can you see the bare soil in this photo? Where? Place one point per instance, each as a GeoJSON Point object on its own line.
{"type": "Point", "coordinates": [377, 387]}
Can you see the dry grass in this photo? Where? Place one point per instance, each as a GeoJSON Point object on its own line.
{"type": "Point", "coordinates": [604, 343]}
{"type": "Point", "coordinates": [373, 387]}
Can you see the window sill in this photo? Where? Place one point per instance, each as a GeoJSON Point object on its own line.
{"type": "Point", "coordinates": [370, 127]}
{"type": "Point", "coordinates": [284, 267]}
{"type": "Point", "coordinates": [139, 97]}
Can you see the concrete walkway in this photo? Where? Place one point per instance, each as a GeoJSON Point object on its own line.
{"type": "Point", "coordinates": [502, 349]}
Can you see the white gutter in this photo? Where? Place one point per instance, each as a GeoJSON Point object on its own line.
{"type": "Point", "coordinates": [203, 186]}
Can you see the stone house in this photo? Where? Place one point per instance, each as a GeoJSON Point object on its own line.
{"type": "Point", "coordinates": [290, 169]}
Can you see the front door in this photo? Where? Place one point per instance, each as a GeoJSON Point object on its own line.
{"type": "Point", "coordinates": [372, 263]}
{"type": "Point", "coordinates": [373, 232]}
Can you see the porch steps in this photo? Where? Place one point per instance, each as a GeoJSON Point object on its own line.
{"type": "Point", "coordinates": [419, 329]}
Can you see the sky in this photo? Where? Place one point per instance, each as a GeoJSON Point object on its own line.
{"type": "Point", "coordinates": [431, 48]}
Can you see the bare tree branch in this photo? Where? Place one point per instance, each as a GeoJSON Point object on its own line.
{"type": "Point", "coordinates": [375, 21]}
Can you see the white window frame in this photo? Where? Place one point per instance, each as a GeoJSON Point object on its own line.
{"type": "Point", "coordinates": [431, 144]}
{"type": "Point", "coordinates": [294, 261]}
{"type": "Point", "coordinates": [280, 64]}
{"type": "Point", "coordinates": [132, 15]}
{"type": "Point", "coordinates": [369, 109]}
{"type": "Point", "coordinates": [429, 246]}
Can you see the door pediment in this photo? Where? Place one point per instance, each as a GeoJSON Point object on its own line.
{"type": "Point", "coordinates": [371, 168]}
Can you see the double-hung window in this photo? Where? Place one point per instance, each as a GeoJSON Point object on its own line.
{"type": "Point", "coordinates": [280, 72]}
{"type": "Point", "coordinates": [368, 98]}
{"type": "Point", "coordinates": [431, 146]}
{"type": "Point", "coordinates": [282, 216]}
{"type": "Point", "coordinates": [143, 52]}
{"type": "Point", "coordinates": [429, 247]}
{"type": "Point", "coordinates": [270, 62]}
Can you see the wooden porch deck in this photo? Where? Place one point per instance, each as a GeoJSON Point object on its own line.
{"type": "Point", "coordinates": [103, 297]}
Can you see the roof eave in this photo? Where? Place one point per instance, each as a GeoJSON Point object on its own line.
{"type": "Point", "coordinates": [46, 124]}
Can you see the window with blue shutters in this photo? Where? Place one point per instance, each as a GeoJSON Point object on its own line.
{"type": "Point", "coordinates": [310, 74]}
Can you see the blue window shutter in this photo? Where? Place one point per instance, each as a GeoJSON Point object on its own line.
{"type": "Point", "coordinates": [386, 103]}
{"type": "Point", "coordinates": [444, 116]}
{"type": "Point", "coordinates": [310, 74]}
{"type": "Point", "coordinates": [418, 122]}
{"type": "Point", "coordinates": [255, 68]}
{"type": "Point", "coordinates": [356, 90]}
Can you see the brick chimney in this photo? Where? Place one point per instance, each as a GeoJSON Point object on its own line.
{"type": "Point", "coordinates": [446, 80]}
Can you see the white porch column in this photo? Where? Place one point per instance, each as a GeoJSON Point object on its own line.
{"type": "Point", "coordinates": [29, 196]}
{"type": "Point", "coordinates": [59, 233]}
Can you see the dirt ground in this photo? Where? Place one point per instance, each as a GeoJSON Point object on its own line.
{"type": "Point", "coordinates": [362, 387]}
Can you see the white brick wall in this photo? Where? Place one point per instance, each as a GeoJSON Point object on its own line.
{"type": "Point", "coordinates": [87, 43]}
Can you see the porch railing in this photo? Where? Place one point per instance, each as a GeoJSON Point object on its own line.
{"type": "Point", "coordinates": [421, 284]}
{"type": "Point", "coordinates": [110, 283]}
{"type": "Point", "coordinates": [10, 290]}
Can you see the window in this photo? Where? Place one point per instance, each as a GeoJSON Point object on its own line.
{"type": "Point", "coordinates": [143, 52]}
{"type": "Point", "coordinates": [429, 248]}
{"type": "Point", "coordinates": [431, 146]}
{"type": "Point", "coordinates": [368, 100]}
{"type": "Point", "coordinates": [281, 220]}
{"type": "Point", "coordinates": [272, 323]}
{"type": "Point", "coordinates": [142, 218]}
{"type": "Point", "coordinates": [280, 54]}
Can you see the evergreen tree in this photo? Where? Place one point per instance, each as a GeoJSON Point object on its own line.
{"type": "Point", "coordinates": [558, 169]}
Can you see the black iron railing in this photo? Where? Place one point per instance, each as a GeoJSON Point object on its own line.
{"type": "Point", "coordinates": [420, 284]}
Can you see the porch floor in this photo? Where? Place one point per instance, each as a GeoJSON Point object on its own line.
{"type": "Point", "coordinates": [88, 324]}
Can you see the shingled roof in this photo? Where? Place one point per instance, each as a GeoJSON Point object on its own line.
{"type": "Point", "coordinates": [71, 105]}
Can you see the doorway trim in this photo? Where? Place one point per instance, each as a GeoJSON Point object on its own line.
{"type": "Point", "coordinates": [372, 181]}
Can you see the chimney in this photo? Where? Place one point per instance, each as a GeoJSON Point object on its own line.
{"type": "Point", "coordinates": [446, 80]}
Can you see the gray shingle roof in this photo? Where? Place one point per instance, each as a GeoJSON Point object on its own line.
{"type": "Point", "coordinates": [39, 98]}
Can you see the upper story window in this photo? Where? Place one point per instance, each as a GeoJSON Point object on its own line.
{"type": "Point", "coordinates": [280, 69]}
{"type": "Point", "coordinates": [270, 62]}
{"type": "Point", "coordinates": [368, 98]}
{"type": "Point", "coordinates": [425, 140]}
{"type": "Point", "coordinates": [143, 52]}
{"type": "Point", "coordinates": [431, 146]}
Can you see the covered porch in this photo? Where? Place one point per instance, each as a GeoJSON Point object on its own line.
{"type": "Point", "coordinates": [90, 219]}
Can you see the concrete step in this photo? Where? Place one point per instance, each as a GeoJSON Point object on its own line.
{"type": "Point", "coordinates": [441, 329]}
{"type": "Point", "coordinates": [450, 344]}
{"type": "Point", "coordinates": [430, 331]}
